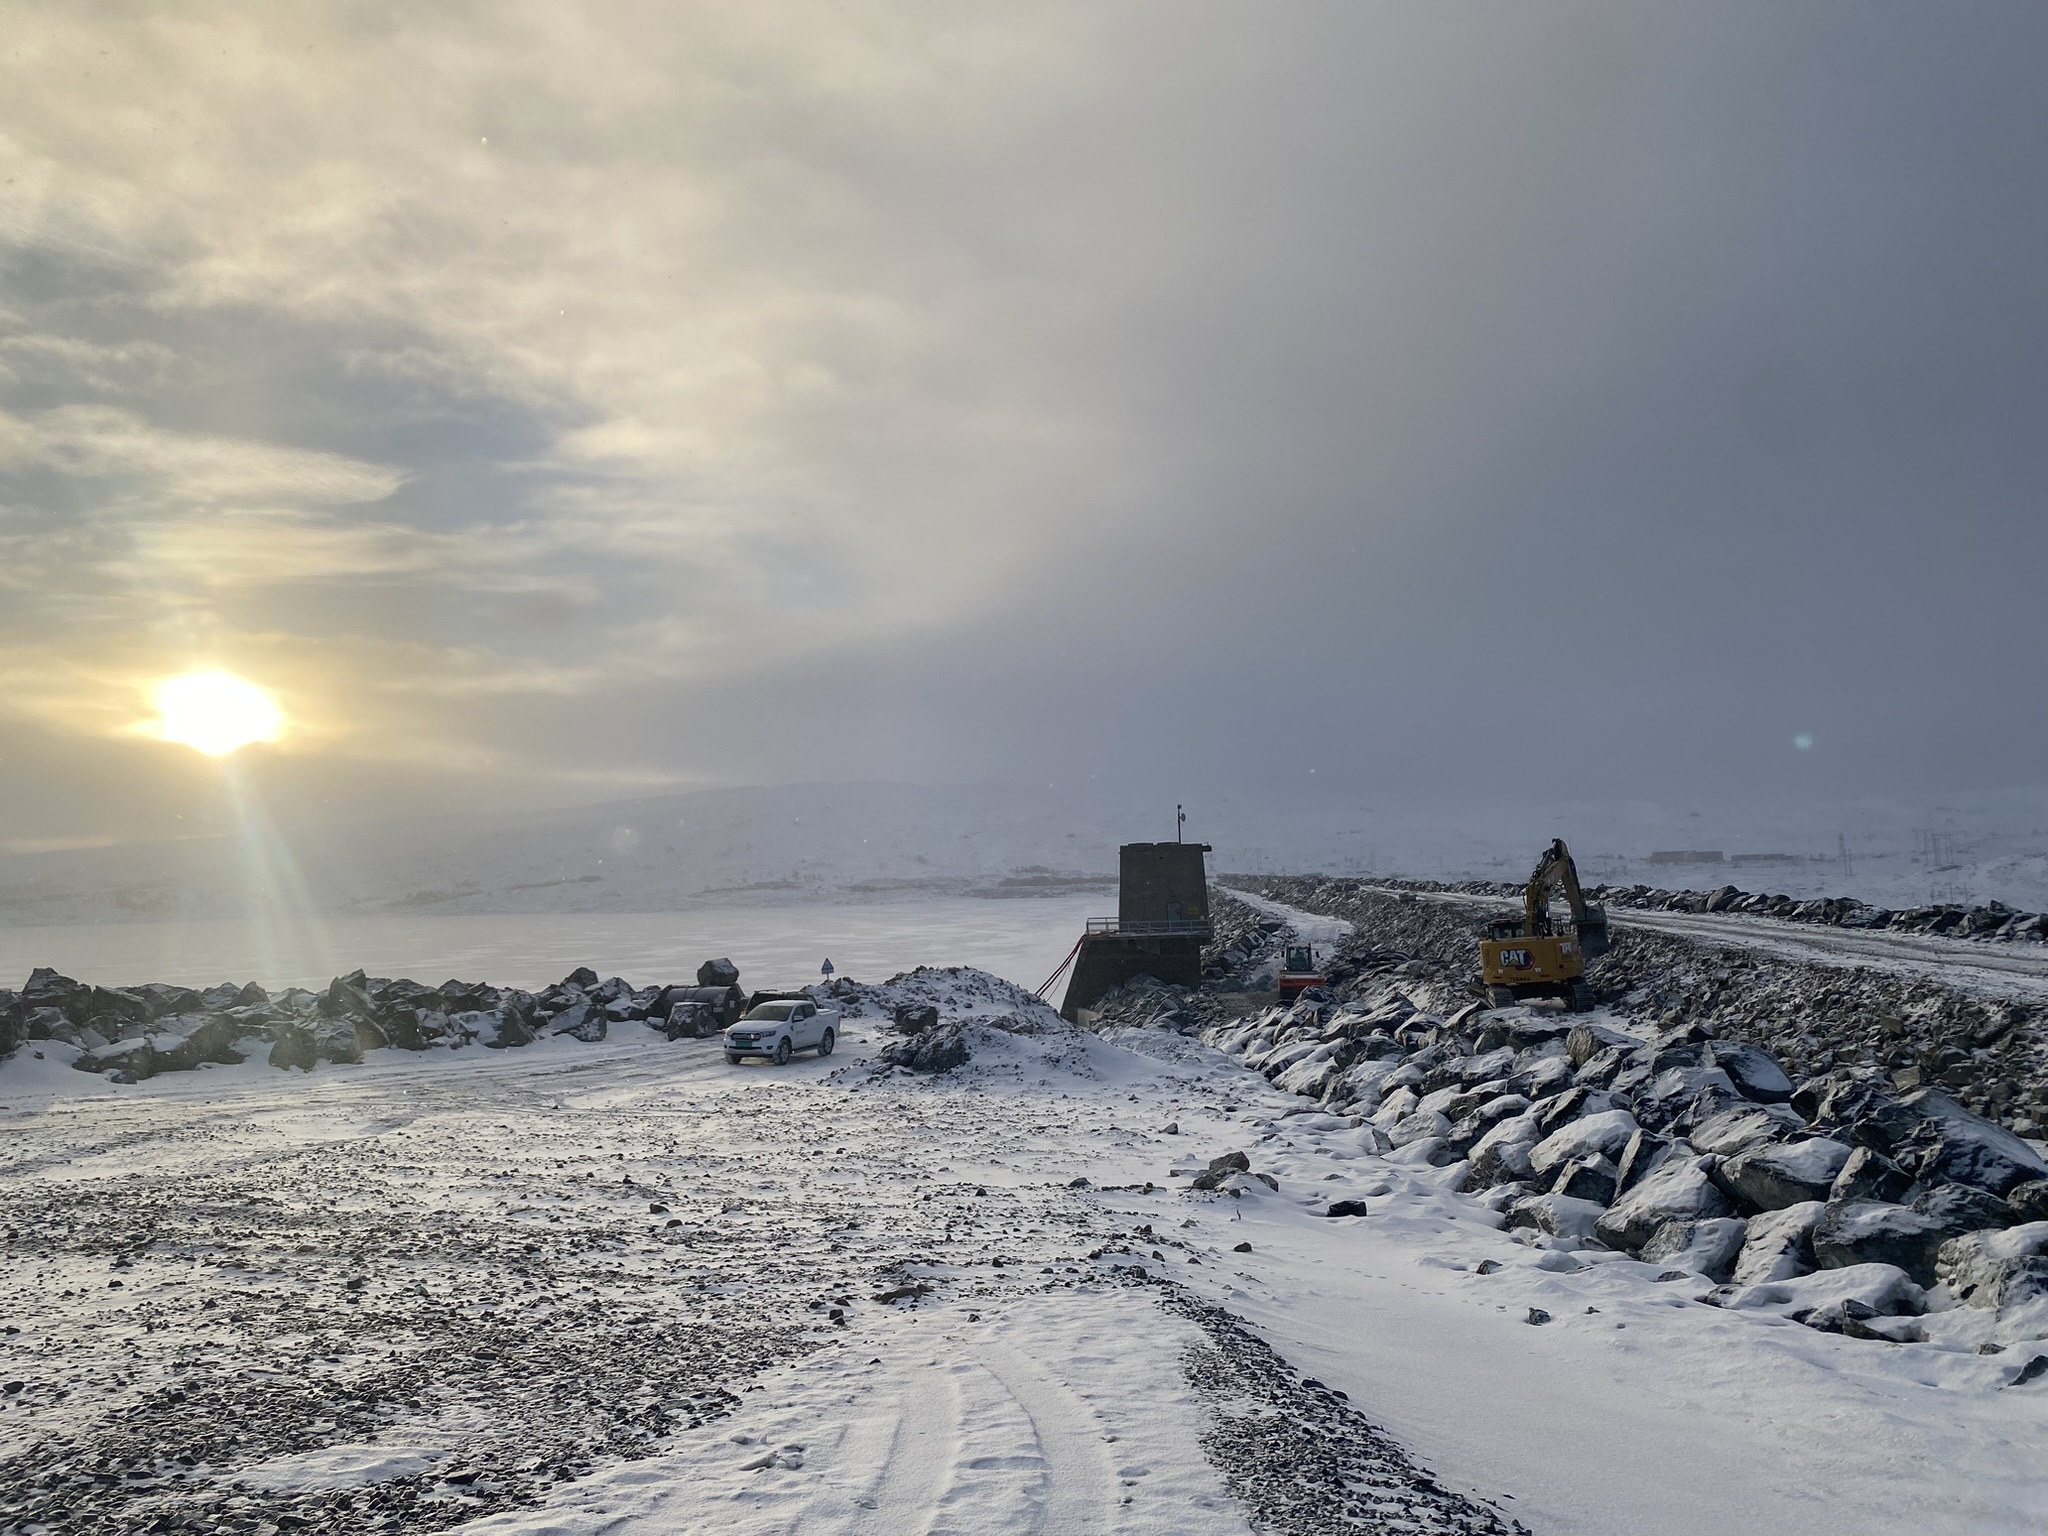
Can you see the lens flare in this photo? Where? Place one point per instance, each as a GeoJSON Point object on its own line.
{"type": "Point", "coordinates": [216, 712]}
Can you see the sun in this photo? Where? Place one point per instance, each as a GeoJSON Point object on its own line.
{"type": "Point", "coordinates": [216, 712]}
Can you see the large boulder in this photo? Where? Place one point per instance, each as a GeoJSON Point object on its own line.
{"type": "Point", "coordinates": [49, 989]}
{"type": "Point", "coordinates": [1586, 1178]}
{"type": "Point", "coordinates": [1559, 1216]}
{"type": "Point", "coordinates": [1680, 1189]}
{"type": "Point", "coordinates": [1644, 1151]}
{"type": "Point", "coordinates": [1597, 1135]}
{"type": "Point", "coordinates": [1964, 1207]}
{"type": "Point", "coordinates": [1708, 1247]}
{"type": "Point", "coordinates": [1951, 1145]}
{"type": "Point", "coordinates": [1870, 1175]}
{"type": "Point", "coordinates": [1681, 1097]}
{"type": "Point", "coordinates": [1502, 1154]}
{"type": "Point", "coordinates": [1756, 1074]}
{"type": "Point", "coordinates": [937, 1050]}
{"type": "Point", "coordinates": [1871, 1232]}
{"type": "Point", "coordinates": [1771, 1177]}
{"type": "Point", "coordinates": [115, 1010]}
{"type": "Point", "coordinates": [1996, 1269]}
{"type": "Point", "coordinates": [184, 1041]}
{"type": "Point", "coordinates": [292, 1045]}
{"type": "Point", "coordinates": [718, 973]}
{"type": "Point", "coordinates": [1779, 1244]}
{"type": "Point", "coordinates": [1744, 1126]}
{"type": "Point", "coordinates": [583, 1020]}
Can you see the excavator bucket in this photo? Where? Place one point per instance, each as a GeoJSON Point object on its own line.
{"type": "Point", "coordinates": [1592, 927]}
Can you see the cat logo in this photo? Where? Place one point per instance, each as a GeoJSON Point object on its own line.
{"type": "Point", "coordinates": [1515, 959]}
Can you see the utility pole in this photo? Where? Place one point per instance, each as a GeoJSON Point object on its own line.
{"type": "Point", "coordinates": [1180, 819]}
{"type": "Point", "coordinates": [1842, 847]}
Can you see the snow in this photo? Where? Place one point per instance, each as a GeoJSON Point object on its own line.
{"type": "Point", "coordinates": [1033, 1395]}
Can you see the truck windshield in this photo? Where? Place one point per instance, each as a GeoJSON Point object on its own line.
{"type": "Point", "coordinates": [773, 1013]}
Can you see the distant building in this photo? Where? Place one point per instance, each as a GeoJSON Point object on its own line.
{"type": "Point", "coordinates": [1162, 922]}
{"type": "Point", "coordinates": [1764, 858]}
{"type": "Point", "coordinates": [1687, 856]}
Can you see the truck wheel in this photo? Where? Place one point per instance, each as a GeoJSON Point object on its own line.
{"type": "Point", "coordinates": [732, 1058]}
{"type": "Point", "coordinates": [782, 1052]}
{"type": "Point", "coordinates": [825, 1045]}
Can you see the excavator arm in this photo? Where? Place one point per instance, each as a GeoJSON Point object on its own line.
{"type": "Point", "coordinates": [1556, 871]}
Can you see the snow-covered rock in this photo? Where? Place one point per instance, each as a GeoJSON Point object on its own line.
{"type": "Point", "coordinates": [1599, 1135]}
{"type": "Point", "coordinates": [1778, 1245]}
{"type": "Point", "coordinates": [1952, 1145]}
{"type": "Point", "coordinates": [1857, 1232]}
{"type": "Point", "coordinates": [1736, 1130]}
{"type": "Point", "coordinates": [1755, 1073]}
{"type": "Point", "coordinates": [1874, 1290]}
{"type": "Point", "coordinates": [1996, 1269]}
{"type": "Point", "coordinates": [1772, 1177]}
{"type": "Point", "coordinates": [1708, 1247]}
{"type": "Point", "coordinates": [1677, 1190]}
{"type": "Point", "coordinates": [1558, 1216]}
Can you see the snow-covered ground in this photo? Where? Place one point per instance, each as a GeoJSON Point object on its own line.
{"type": "Point", "coordinates": [590, 1287]}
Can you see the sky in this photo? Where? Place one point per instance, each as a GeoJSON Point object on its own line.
{"type": "Point", "coordinates": [556, 403]}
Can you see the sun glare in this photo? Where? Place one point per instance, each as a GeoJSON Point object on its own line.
{"type": "Point", "coordinates": [216, 712]}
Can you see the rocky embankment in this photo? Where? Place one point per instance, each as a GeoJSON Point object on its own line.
{"type": "Point", "coordinates": [1993, 922]}
{"type": "Point", "coordinates": [1912, 1031]}
{"type": "Point", "coordinates": [136, 1032]}
{"type": "Point", "coordinates": [1734, 1118]}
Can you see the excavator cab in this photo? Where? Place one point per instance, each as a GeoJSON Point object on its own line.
{"type": "Point", "coordinates": [1533, 956]}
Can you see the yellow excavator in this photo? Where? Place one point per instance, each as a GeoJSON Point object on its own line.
{"type": "Point", "coordinates": [1532, 956]}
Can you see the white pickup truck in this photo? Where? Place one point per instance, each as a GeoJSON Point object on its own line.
{"type": "Point", "coordinates": [781, 1028]}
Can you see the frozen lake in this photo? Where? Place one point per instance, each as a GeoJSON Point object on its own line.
{"type": "Point", "coordinates": [1021, 940]}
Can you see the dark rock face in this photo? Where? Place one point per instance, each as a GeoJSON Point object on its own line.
{"type": "Point", "coordinates": [1586, 1179]}
{"type": "Point", "coordinates": [937, 1050]}
{"type": "Point", "coordinates": [1962, 1208]}
{"type": "Point", "coordinates": [915, 1018]}
{"type": "Point", "coordinates": [1950, 1145]}
{"type": "Point", "coordinates": [1868, 1232]}
{"type": "Point", "coordinates": [1756, 1073]}
{"type": "Point", "coordinates": [2029, 1201]}
{"type": "Point", "coordinates": [1869, 1175]}
{"type": "Point", "coordinates": [1769, 1178]}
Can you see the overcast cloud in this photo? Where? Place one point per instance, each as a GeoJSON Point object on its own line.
{"type": "Point", "coordinates": [550, 400]}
